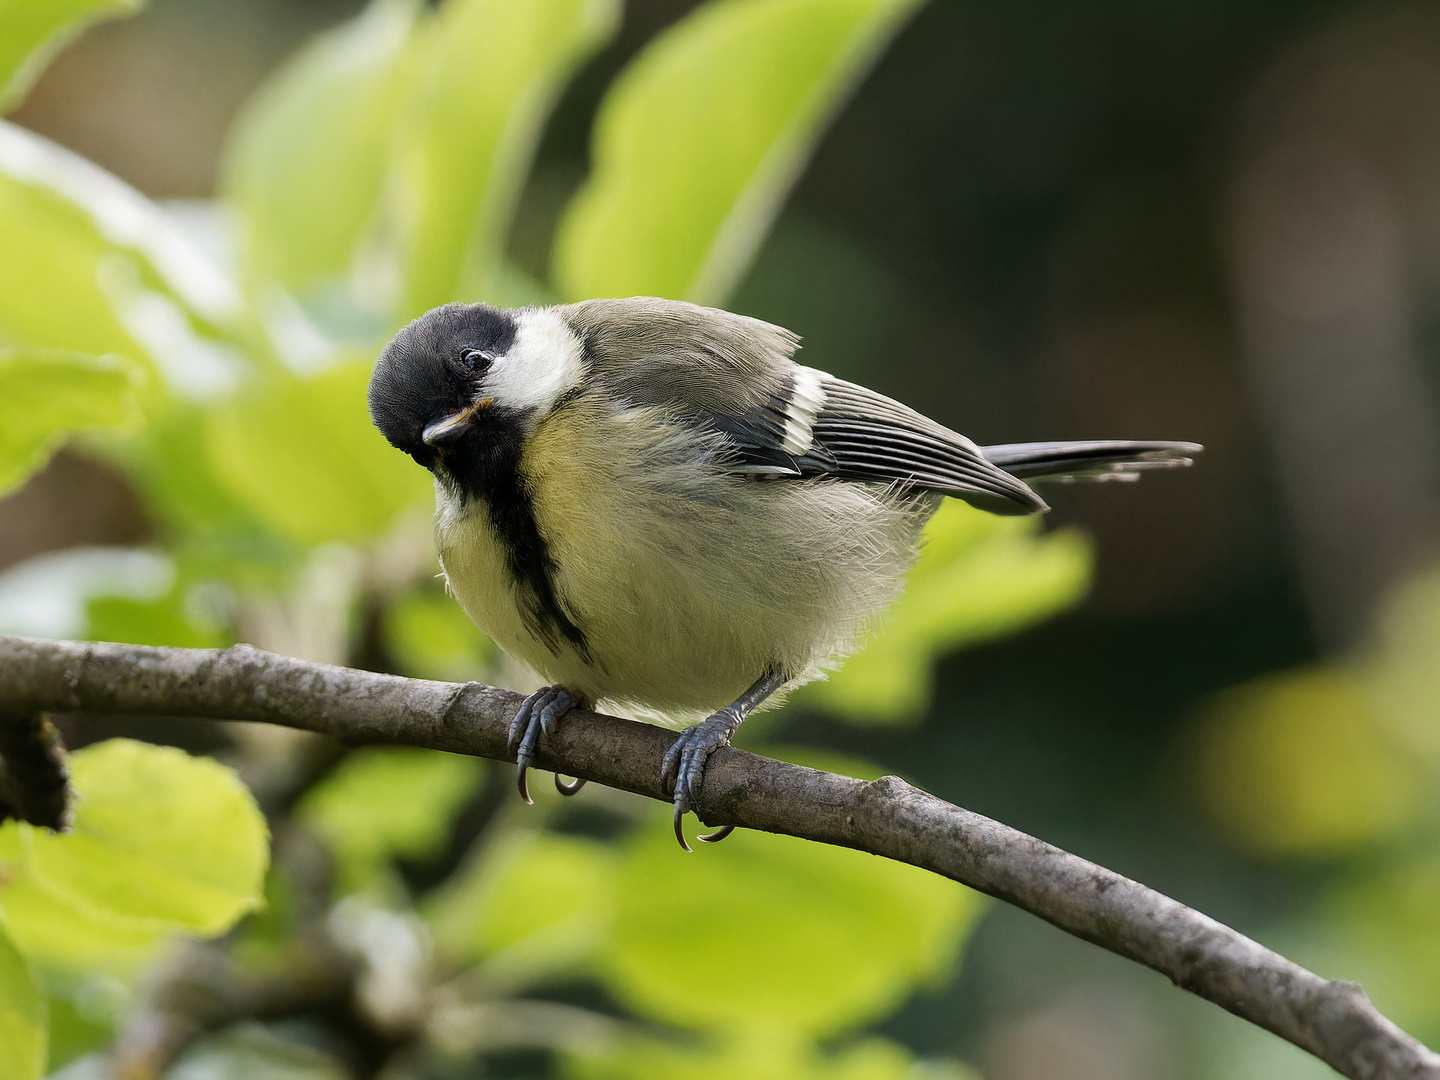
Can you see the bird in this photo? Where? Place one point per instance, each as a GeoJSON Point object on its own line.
{"type": "Point", "coordinates": [656, 508]}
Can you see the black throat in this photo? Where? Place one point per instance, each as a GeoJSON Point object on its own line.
{"type": "Point", "coordinates": [485, 466]}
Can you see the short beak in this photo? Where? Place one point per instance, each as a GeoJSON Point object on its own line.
{"type": "Point", "coordinates": [443, 432]}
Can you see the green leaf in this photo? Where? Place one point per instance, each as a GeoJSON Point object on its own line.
{"type": "Point", "coordinates": [702, 137]}
{"type": "Point", "coordinates": [535, 903]}
{"type": "Point", "coordinates": [387, 802]}
{"type": "Point", "coordinates": [22, 1016]}
{"type": "Point", "coordinates": [306, 160]}
{"type": "Point", "coordinates": [44, 395]}
{"type": "Point", "coordinates": [50, 256]}
{"type": "Point", "coordinates": [489, 71]}
{"type": "Point", "coordinates": [760, 1053]}
{"type": "Point", "coordinates": [747, 936]}
{"type": "Point", "coordinates": [35, 30]}
{"type": "Point", "coordinates": [979, 576]}
{"type": "Point", "coordinates": [57, 934]}
{"type": "Point", "coordinates": [89, 264]}
{"type": "Point", "coordinates": [304, 457]}
{"type": "Point", "coordinates": [161, 839]}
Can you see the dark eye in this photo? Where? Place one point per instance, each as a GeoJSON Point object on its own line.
{"type": "Point", "coordinates": [475, 360]}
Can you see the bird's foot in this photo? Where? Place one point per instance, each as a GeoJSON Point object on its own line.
{"type": "Point", "coordinates": [541, 711]}
{"type": "Point", "coordinates": [684, 765]}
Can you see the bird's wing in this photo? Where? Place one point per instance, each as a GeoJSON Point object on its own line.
{"type": "Point", "coordinates": [817, 425]}
{"type": "Point", "coordinates": [776, 418]}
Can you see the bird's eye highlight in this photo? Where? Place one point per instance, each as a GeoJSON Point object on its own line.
{"type": "Point", "coordinates": [475, 360]}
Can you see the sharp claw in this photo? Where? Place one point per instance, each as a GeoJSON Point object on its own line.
{"type": "Point", "coordinates": [568, 789]}
{"type": "Point", "coordinates": [524, 734]}
{"type": "Point", "coordinates": [679, 832]}
{"type": "Point", "coordinates": [680, 771]}
{"type": "Point", "coordinates": [523, 760]}
{"type": "Point", "coordinates": [716, 836]}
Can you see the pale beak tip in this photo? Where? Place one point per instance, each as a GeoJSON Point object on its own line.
{"type": "Point", "coordinates": [447, 429]}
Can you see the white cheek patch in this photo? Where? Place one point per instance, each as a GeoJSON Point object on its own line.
{"type": "Point", "coordinates": [542, 364]}
{"type": "Point", "coordinates": [807, 399]}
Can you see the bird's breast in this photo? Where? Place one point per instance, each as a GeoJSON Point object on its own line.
{"type": "Point", "coordinates": [683, 582]}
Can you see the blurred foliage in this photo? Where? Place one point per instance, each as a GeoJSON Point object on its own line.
{"type": "Point", "coordinates": [700, 140]}
{"type": "Point", "coordinates": [93, 266]}
{"type": "Point", "coordinates": [45, 395]}
{"type": "Point", "coordinates": [431, 638]}
{"type": "Point", "coordinates": [306, 163]}
{"type": "Point", "coordinates": [1341, 762]}
{"type": "Point", "coordinates": [161, 840]}
{"type": "Point", "coordinates": [374, 176]}
{"type": "Point", "coordinates": [162, 843]}
{"type": "Point", "coordinates": [352, 485]}
{"type": "Point", "coordinates": [978, 577]}
{"type": "Point", "coordinates": [22, 1015]}
{"type": "Point", "coordinates": [165, 620]}
{"type": "Point", "coordinates": [530, 50]}
{"type": "Point", "coordinates": [833, 938]}
{"type": "Point", "coordinates": [36, 29]}
{"type": "Point", "coordinates": [765, 1055]}
{"type": "Point", "coordinates": [382, 804]}
{"type": "Point", "coordinates": [531, 905]}
{"type": "Point", "coordinates": [1301, 764]}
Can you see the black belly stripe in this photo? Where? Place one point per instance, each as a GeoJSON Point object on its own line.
{"type": "Point", "coordinates": [486, 466]}
{"type": "Point", "coordinates": [528, 555]}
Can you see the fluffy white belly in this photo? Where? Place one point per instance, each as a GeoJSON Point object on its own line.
{"type": "Point", "coordinates": [687, 582]}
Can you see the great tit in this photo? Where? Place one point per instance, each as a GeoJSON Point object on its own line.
{"type": "Point", "coordinates": [652, 505]}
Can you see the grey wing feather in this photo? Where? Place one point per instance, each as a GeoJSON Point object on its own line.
{"type": "Point", "coordinates": [873, 437]}
{"type": "Point", "coordinates": [815, 425]}
{"type": "Point", "coordinates": [1097, 459]}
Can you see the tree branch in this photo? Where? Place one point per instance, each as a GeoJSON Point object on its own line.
{"type": "Point", "coordinates": [1335, 1021]}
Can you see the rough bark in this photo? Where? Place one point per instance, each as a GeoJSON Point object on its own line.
{"type": "Point", "coordinates": [1335, 1021]}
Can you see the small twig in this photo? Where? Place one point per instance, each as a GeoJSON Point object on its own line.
{"type": "Point", "coordinates": [201, 989]}
{"type": "Point", "coordinates": [1335, 1021]}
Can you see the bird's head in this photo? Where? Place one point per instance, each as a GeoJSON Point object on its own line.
{"type": "Point", "coordinates": [466, 375]}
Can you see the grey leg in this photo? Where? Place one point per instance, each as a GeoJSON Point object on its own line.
{"type": "Point", "coordinates": [541, 711]}
{"type": "Point", "coordinates": [684, 762]}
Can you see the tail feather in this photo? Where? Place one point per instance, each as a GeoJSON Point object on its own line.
{"type": "Point", "coordinates": [1101, 459]}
